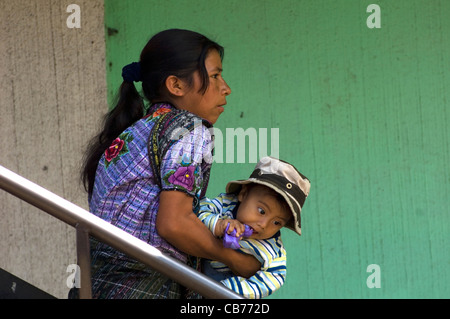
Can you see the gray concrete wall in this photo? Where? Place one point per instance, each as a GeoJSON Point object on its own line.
{"type": "Point", "coordinates": [52, 96]}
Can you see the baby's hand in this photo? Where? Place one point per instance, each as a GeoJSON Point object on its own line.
{"type": "Point", "coordinates": [222, 224]}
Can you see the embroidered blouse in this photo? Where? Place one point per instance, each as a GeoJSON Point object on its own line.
{"type": "Point", "coordinates": [126, 191]}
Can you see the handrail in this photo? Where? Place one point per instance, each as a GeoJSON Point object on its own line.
{"type": "Point", "coordinates": [78, 217]}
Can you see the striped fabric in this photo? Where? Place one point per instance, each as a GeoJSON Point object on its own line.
{"type": "Point", "coordinates": [115, 276]}
{"type": "Point", "coordinates": [270, 252]}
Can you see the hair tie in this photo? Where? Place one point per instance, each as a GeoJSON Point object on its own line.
{"type": "Point", "coordinates": [132, 72]}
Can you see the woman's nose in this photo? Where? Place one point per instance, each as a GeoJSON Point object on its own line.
{"type": "Point", "coordinates": [226, 88]}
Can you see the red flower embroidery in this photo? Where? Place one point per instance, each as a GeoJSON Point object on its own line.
{"type": "Point", "coordinates": [112, 151]}
{"type": "Point", "coordinates": [160, 111]}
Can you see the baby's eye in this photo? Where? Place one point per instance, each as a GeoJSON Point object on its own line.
{"type": "Point", "coordinates": [277, 223]}
{"type": "Point", "coordinates": [261, 211]}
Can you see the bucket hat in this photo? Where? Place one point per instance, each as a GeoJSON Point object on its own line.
{"type": "Point", "coordinates": [284, 179]}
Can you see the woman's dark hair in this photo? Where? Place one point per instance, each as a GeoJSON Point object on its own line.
{"type": "Point", "coordinates": [170, 52]}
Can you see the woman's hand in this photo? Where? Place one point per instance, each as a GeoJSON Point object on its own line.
{"type": "Point", "coordinates": [177, 223]}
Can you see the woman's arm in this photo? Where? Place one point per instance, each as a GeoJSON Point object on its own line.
{"type": "Point", "coordinates": [177, 223]}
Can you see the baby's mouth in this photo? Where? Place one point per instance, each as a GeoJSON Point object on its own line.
{"type": "Point", "coordinates": [253, 230]}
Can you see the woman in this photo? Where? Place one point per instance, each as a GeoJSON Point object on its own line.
{"type": "Point", "coordinates": [144, 180]}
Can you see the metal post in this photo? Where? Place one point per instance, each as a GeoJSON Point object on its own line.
{"type": "Point", "coordinates": [84, 262]}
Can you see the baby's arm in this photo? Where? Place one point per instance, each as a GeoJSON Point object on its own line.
{"type": "Point", "coordinates": [263, 283]}
{"type": "Point", "coordinates": [210, 215]}
{"type": "Point", "coordinates": [272, 256]}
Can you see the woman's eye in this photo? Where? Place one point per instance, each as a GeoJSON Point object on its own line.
{"type": "Point", "coordinates": [261, 211]}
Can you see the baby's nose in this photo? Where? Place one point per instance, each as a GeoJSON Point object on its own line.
{"type": "Point", "coordinates": [263, 223]}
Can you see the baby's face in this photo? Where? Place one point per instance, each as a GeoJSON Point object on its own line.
{"type": "Point", "coordinates": [261, 211]}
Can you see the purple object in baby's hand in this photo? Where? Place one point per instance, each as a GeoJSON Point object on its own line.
{"type": "Point", "coordinates": [231, 241]}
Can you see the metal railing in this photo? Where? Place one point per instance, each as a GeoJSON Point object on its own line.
{"type": "Point", "coordinates": [87, 224]}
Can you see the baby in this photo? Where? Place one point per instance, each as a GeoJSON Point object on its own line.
{"type": "Point", "coordinates": [270, 199]}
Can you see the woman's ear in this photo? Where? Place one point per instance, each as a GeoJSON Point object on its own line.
{"type": "Point", "coordinates": [175, 85]}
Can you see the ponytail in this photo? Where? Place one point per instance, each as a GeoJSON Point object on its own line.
{"type": "Point", "coordinates": [129, 109]}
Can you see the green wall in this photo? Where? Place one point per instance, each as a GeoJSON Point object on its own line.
{"type": "Point", "coordinates": [362, 112]}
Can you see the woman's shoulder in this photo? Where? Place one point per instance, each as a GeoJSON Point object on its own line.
{"type": "Point", "coordinates": [173, 117]}
{"type": "Point", "coordinates": [172, 125]}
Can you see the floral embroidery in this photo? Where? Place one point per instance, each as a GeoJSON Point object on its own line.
{"type": "Point", "coordinates": [184, 177]}
{"type": "Point", "coordinates": [114, 149]}
{"type": "Point", "coordinates": [118, 147]}
{"type": "Point", "coordinates": [160, 111]}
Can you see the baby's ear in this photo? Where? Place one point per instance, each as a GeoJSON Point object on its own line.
{"type": "Point", "coordinates": [243, 192]}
